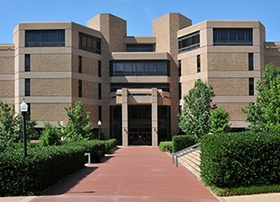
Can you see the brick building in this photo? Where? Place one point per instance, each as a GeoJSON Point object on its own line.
{"type": "Point", "coordinates": [133, 84]}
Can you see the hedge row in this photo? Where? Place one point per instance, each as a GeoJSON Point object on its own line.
{"type": "Point", "coordinates": [165, 146]}
{"type": "Point", "coordinates": [44, 166]}
{"type": "Point", "coordinates": [182, 141]}
{"type": "Point", "coordinates": [240, 159]}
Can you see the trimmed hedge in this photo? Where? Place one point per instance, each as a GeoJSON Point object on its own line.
{"type": "Point", "coordinates": [165, 146]}
{"type": "Point", "coordinates": [240, 159]}
{"type": "Point", "coordinates": [43, 166]}
{"type": "Point", "coordinates": [182, 141]}
{"type": "Point", "coordinates": [111, 146]}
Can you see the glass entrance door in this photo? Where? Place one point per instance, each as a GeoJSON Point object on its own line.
{"type": "Point", "coordinates": [139, 125]}
{"type": "Point", "coordinates": [140, 136]}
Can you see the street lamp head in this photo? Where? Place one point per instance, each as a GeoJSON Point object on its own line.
{"type": "Point", "coordinates": [99, 123]}
{"type": "Point", "coordinates": [23, 106]}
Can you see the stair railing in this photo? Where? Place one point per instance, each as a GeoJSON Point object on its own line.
{"type": "Point", "coordinates": [176, 155]}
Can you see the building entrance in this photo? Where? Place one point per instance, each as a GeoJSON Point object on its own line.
{"type": "Point", "coordinates": [140, 136]}
{"type": "Point", "coordinates": [139, 125]}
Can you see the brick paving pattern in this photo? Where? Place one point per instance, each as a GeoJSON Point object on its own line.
{"type": "Point", "coordinates": [130, 174]}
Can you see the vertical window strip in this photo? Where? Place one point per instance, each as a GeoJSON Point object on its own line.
{"type": "Point", "coordinates": [27, 87]}
{"type": "Point", "coordinates": [80, 65]}
{"type": "Point", "coordinates": [251, 61]}
{"type": "Point", "coordinates": [80, 88]}
{"type": "Point", "coordinates": [198, 63]}
{"type": "Point", "coordinates": [251, 86]}
{"type": "Point", "coordinates": [27, 62]}
{"type": "Point", "coordinates": [100, 113]}
{"type": "Point", "coordinates": [180, 68]}
{"type": "Point", "coordinates": [99, 91]}
{"type": "Point", "coordinates": [99, 68]}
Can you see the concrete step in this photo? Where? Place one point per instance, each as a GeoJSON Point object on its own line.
{"type": "Point", "coordinates": [191, 161]}
{"type": "Point", "coordinates": [191, 169]}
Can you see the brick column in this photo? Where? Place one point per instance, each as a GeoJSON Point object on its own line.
{"type": "Point", "coordinates": [124, 118]}
{"type": "Point", "coordinates": [154, 117]}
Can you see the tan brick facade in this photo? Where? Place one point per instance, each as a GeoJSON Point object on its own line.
{"type": "Point", "coordinates": [55, 75]}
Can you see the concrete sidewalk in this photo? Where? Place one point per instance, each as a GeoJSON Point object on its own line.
{"type": "Point", "coordinates": [134, 174]}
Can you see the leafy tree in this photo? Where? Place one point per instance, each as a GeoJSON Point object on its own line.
{"type": "Point", "coordinates": [78, 126]}
{"type": "Point", "coordinates": [194, 117]}
{"type": "Point", "coordinates": [50, 135]}
{"type": "Point", "coordinates": [264, 113]}
{"type": "Point", "coordinates": [11, 126]}
{"type": "Point", "coordinates": [218, 120]}
{"type": "Point", "coordinates": [8, 124]}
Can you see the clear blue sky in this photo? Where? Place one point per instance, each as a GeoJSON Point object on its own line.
{"type": "Point", "coordinates": [138, 13]}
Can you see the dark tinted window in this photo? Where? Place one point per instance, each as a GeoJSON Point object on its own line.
{"type": "Point", "coordinates": [140, 68]}
{"type": "Point", "coordinates": [44, 38]}
{"type": "Point", "coordinates": [89, 43]}
{"type": "Point", "coordinates": [27, 62]}
{"type": "Point", "coordinates": [198, 63]}
{"type": "Point", "coordinates": [115, 87]}
{"type": "Point", "coordinates": [251, 86]}
{"type": "Point", "coordinates": [233, 36]}
{"type": "Point", "coordinates": [189, 42]}
{"type": "Point", "coordinates": [80, 88]}
{"type": "Point", "coordinates": [27, 87]}
{"type": "Point", "coordinates": [140, 48]}
{"type": "Point", "coordinates": [251, 61]}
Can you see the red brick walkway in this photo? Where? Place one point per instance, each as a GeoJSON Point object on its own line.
{"type": "Point", "coordinates": [131, 174]}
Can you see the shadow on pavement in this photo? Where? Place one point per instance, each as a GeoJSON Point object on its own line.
{"type": "Point", "coordinates": [69, 182]}
{"type": "Point", "coordinates": [64, 185]}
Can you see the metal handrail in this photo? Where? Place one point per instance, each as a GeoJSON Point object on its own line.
{"type": "Point", "coordinates": [182, 152]}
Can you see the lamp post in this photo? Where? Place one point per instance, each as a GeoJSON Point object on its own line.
{"type": "Point", "coordinates": [99, 128]}
{"type": "Point", "coordinates": [23, 109]}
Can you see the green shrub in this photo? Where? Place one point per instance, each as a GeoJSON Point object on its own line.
{"type": "Point", "coordinates": [165, 146]}
{"type": "Point", "coordinates": [111, 146]}
{"type": "Point", "coordinates": [50, 135]}
{"type": "Point", "coordinates": [240, 159]}
{"type": "Point", "coordinates": [182, 141]}
{"type": "Point", "coordinates": [43, 166]}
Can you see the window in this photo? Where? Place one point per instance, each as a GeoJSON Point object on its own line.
{"type": "Point", "coordinates": [80, 65]}
{"type": "Point", "coordinates": [251, 86]}
{"type": "Point", "coordinates": [116, 86]}
{"type": "Point", "coordinates": [27, 87]}
{"type": "Point", "coordinates": [80, 88]}
{"type": "Point", "coordinates": [29, 111]}
{"type": "Point", "coordinates": [89, 43]}
{"type": "Point", "coordinates": [140, 48]}
{"type": "Point", "coordinates": [189, 42]}
{"type": "Point", "coordinates": [100, 113]}
{"type": "Point", "coordinates": [251, 61]}
{"type": "Point", "coordinates": [179, 68]}
{"type": "Point", "coordinates": [99, 91]}
{"type": "Point", "coordinates": [140, 68]}
{"type": "Point", "coordinates": [198, 63]}
{"type": "Point", "coordinates": [180, 91]}
{"type": "Point", "coordinates": [99, 68]}
{"type": "Point", "coordinates": [233, 36]}
{"type": "Point", "coordinates": [44, 38]}
{"type": "Point", "coordinates": [27, 62]}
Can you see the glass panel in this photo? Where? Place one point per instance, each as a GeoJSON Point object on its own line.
{"type": "Point", "coordinates": [44, 38]}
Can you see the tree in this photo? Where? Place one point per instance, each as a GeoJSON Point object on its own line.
{"type": "Point", "coordinates": [8, 123]}
{"type": "Point", "coordinates": [78, 126]}
{"type": "Point", "coordinates": [50, 135]}
{"type": "Point", "coordinates": [194, 117]}
{"type": "Point", "coordinates": [11, 126]}
{"type": "Point", "coordinates": [264, 113]}
{"type": "Point", "coordinates": [218, 120]}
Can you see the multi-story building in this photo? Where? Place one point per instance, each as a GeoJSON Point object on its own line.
{"type": "Point", "coordinates": [134, 85]}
